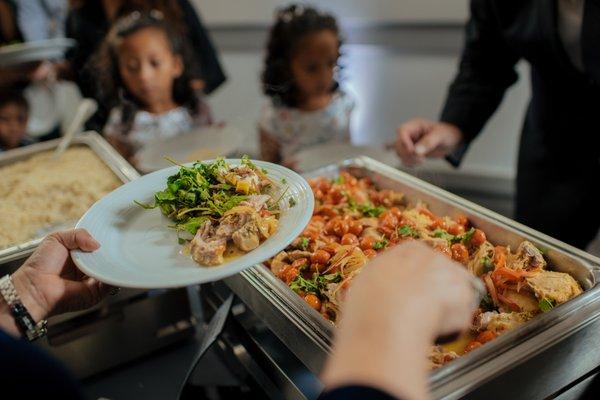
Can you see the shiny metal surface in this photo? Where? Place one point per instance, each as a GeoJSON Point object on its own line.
{"type": "Point", "coordinates": [309, 336]}
{"type": "Point", "coordinates": [118, 165]}
{"type": "Point", "coordinates": [119, 331]}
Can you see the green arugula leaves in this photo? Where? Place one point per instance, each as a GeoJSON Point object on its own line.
{"type": "Point", "coordinates": [196, 194]}
{"type": "Point", "coordinates": [408, 231]}
{"type": "Point", "coordinates": [315, 285]}
{"type": "Point", "coordinates": [462, 238]}
{"type": "Point", "coordinates": [546, 305]}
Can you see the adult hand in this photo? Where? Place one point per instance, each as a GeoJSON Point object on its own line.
{"type": "Point", "coordinates": [394, 310]}
{"type": "Point", "coordinates": [49, 283]}
{"type": "Point", "coordinates": [420, 138]}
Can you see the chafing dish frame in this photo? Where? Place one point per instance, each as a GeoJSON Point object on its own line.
{"type": "Point", "coordinates": [117, 164]}
{"type": "Point", "coordinates": [309, 336]}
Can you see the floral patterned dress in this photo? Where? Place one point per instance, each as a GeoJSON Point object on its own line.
{"type": "Point", "coordinates": [295, 129]}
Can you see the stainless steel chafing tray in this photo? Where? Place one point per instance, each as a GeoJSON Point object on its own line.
{"type": "Point", "coordinates": [121, 168]}
{"type": "Point", "coordinates": [309, 336]}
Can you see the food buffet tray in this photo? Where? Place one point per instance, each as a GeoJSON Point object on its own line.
{"type": "Point", "coordinates": [119, 166]}
{"type": "Point", "coordinates": [309, 336]}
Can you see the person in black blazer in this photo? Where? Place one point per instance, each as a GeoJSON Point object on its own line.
{"type": "Point", "coordinates": [558, 177]}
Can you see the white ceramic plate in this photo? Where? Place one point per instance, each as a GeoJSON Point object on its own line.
{"type": "Point", "coordinates": [315, 157]}
{"type": "Point", "coordinates": [138, 250]}
{"type": "Point", "coordinates": [201, 144]}
{"type": "Point", "coordinates": [21, 53]}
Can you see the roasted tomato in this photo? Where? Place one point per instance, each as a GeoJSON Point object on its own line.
{"type": "Point", "coordinates": [485, 337]}
{"type": "Point", "coordinates": [444, 249]}
{"type": "Point", "coordinates": [478, 238]}
{"type": "Point", "coordinates": [313, 301]}
{"type": "Point", "coordinates": [462, 220]}
{"type": "Point", "coordinates": [367, 243]}
{"type": "Point", "coordinates": [370, 253]}
{"type": "Point", "coordinates": [456, 229]}
{"type": "Point", "coordinates": [355, 227]}
{"type": "Point", "coordinates": [460, 253]}
{"type": "Point", "coordinates": [349, 239]}
{"type": "Point", "coordinates": [472, 346]}
{"type": "Point", "coordinates": [320, 257]}
{"type": "Point", "coordinates": [288, 274]}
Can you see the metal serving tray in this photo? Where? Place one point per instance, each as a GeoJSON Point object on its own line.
{"type": "Point", "coordinates": [119, 166]}
{"type": "Point", "coordinates": [309, 336]}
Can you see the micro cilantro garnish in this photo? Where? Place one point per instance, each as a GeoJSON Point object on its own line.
{"type": "Point", "coordinates": [315, 285]}
{"type": "Point", "coordinates": [487, 263]}
{"type": "Point", "coordinates": [408, 231]}
{"type": "Point", "coordinates": [369, 210]}
{"type": "Point", "coordinates": [546, 305]}
{"type": "Point", "coordinates": [338, 180]}
{"type": "Point", "coordinates": [380, 244]}
{"type": "Point", "coordinates": [462, 238]}
{"type": "Point", "coordinates": [303, 244]}
{"type": "Point", "coordinates": [201, 192]}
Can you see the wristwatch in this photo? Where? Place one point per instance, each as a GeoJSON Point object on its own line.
{"type": "Point", "coordinates": [23, 319]}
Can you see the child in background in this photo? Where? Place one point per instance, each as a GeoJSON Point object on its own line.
{"type": "Point", "coordinates": [142, 70]}
{"type": "Point", "coordinates": [14, 114]}
{"type": "Point", "coordinates": [307, 107]}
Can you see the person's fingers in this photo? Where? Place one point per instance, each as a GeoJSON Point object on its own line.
{"type": "Point", "coordinates": [459, 298]}
{"type": "Point", "coordinates": [81, 295]}
{"type": "Point", "coordinates": [452, 293]}
{"type": "Point", "coordinates": [407, 135]}
{"type": "Point", "coordinates": [428, 143]}
{"type": "Point", "coordinates": [75, 239]}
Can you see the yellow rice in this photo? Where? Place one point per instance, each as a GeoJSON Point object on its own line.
{"type": "Point", "coordinates": [40, 191]}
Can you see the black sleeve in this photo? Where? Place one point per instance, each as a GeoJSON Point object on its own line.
{"type": "Point", "coordinates": [486, 70]}
{"type": "Point", "coordinates": [212, 73]}
{"type": "Point", "coordinates": [355, 393]}
{"type": "Point", "coordinates": [28, 373]}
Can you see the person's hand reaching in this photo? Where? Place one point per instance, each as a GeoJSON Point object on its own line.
{"type": "Point", "coordinates": [420, 138]}
{"type": "Point", "coordinates": [49, 283]}
{"type": "Point", "coordinates": [399, 304]}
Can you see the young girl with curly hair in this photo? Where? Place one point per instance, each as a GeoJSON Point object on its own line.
{"type": "Point", "coordinates": [143, 77]}
{"type": "Point", "coordinates": [306, 105]}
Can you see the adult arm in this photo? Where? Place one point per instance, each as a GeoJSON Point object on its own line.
{"type": "Point", "coordinates": [486, 70]}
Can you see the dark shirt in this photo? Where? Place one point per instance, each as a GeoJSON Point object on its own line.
{"type": "Point", "coordinates": [564, 100]}
{"type": "Point", "coordinates": [29, 373]}
{"type": "Point", "coordinates": [355, 393]}
{"type": "Point", "coordinates": [26, 372]}
{"type": "Point", "coordinates": [559, 153]}
{"type": "Point", "coordinates": [17, 37]}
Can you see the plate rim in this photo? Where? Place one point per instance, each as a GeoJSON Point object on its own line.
{"type": "Point", "coordinates": [76, 255]}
